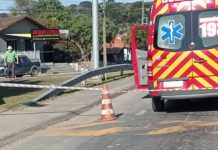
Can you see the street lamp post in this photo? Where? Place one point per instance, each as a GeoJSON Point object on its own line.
{"type": "Point", "coordinates": [95, 41]}
{"type": "Point", "coordinates": [143, 12]}
{"type": "Point", "coordinates": [104, 34]}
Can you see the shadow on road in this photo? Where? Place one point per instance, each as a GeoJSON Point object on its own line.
{"type": "Point", "coordinates": [146, 96]}
{"type": "Point", "coordinates": [191, 105]}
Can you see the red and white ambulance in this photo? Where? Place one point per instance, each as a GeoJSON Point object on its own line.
{"type": "Point", "coordinates": [182, 51]}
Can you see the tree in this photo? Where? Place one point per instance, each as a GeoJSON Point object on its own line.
{"type": "Point", "coordinates": [83, 7]}
{"type": "Point", "coordinates": [51, 12]}
{"type": "Point", "coordinates": [80, 27]}
{"type": "Point", "coordinates": [111, 1]}
{"type": "Point", "coordinates": [114, 12]}
{"type": "Point", "coordinates": [22, 6]}
{"type": "Point", "coordinates": [111, 30]}
{"type": "Point", "coordinates": [132, 16]}
{"type": "Point", "coordinates": [72, 7]}
{"type": "Point", "coordinates": [86, 5]}
{"type": "Point", "coordinates": [79, 22]}
{"type": "Point", "coordinates": [75, 19]}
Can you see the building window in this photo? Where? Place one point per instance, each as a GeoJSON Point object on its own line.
{"type": "Point", "coordinates": [12, 43]}
{"type": "Point", "coordinates": [127, 56]}
{"type": "Point", "coordinates": [28, 45]}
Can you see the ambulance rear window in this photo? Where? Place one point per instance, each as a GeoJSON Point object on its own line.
{"type": "Point", "coordinates": [170, 31]}
{"type": "Point", "coordinates": [176, 32]}
{"type": "Point", "coordinates": [208, 28]}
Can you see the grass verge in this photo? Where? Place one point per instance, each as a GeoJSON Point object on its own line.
{"type": "Point", "coordinates": [11, 98]}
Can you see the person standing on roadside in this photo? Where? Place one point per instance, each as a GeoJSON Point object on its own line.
{"type": "Point", "coordinates": [10, 58]}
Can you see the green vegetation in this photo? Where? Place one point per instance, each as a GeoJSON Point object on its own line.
{"type": "Point", "coordinates": [11, 98]}
{"type": "Point", "coordinates": [14, 97]}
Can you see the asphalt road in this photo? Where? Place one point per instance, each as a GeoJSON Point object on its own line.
{"type": "Point", "coordinates": [185, 126]}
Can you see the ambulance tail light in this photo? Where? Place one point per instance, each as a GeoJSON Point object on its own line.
{"type": "Point", "coordinates": [150, 67]}
{"type": "Point", "coordinates": [150, 76]}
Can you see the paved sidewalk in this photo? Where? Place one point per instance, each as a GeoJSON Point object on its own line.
{"type": "Point", "coordinates": [27, 120]}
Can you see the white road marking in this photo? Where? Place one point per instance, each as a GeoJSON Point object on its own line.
{"type": "Point", "coordinates": [109, 146]}
{"type": "Point", "coordinates": [140, 113]}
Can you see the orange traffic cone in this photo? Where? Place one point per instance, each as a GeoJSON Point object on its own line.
{"type": "Point", "coordinates": [107, 112]}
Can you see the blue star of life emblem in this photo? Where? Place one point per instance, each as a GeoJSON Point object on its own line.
{"type": "Point", "coordinates": [172, 32]}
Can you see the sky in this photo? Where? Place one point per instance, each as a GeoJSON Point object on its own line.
{"type": "Point", "coordinates": [5, 4]}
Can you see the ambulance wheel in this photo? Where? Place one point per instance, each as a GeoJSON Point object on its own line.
{"type": "Point", "coordinates": [157, 104]}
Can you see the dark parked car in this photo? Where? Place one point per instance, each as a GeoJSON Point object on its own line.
{"type": "Point", "coordinates": [2, 67]}
{"type": "Point", "coordinates": [25, 67]}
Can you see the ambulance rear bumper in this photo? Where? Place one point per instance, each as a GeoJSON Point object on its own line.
{"type": "Point", "coordinates": [176, 95]}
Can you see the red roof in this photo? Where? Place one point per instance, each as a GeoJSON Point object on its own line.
{"type": "Point", "coordinates": [117, 43]}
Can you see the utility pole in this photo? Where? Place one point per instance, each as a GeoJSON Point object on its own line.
{"type": "Point", "coordinates": [95, 41]}
{"type": "Point", "coordinates": [143, 12]}
{"type": "Point", "coordinates": [104, 34]}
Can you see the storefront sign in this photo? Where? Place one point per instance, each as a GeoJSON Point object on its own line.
{"type": "Point", "coordinates": [45, 34]}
